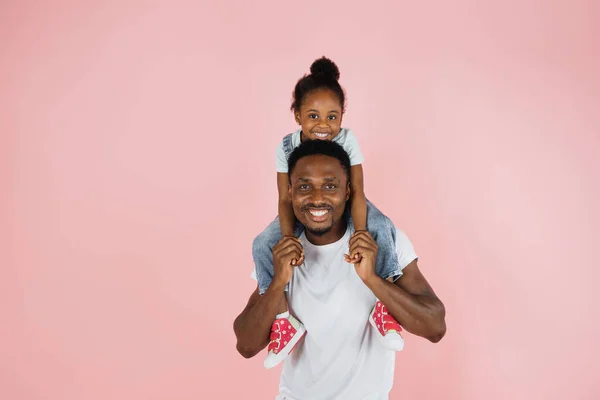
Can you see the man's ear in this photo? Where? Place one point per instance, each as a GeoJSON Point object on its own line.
{"type": "Point", "coordinates": [348, 190]}
{"type": "Point", "coordinates": [290, 191]}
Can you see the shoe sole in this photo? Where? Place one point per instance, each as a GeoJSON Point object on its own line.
{"type": "Point", "coordinates": [278, 358]}
{"type": "Point", "coordinates": [382, 340]}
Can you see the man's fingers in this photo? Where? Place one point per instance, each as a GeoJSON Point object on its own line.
{"type": "Point", "coordinates": [286, 240]}
{"type": "Point", "coordinates": [361, 252]}
{"type": "Point", "coordinates": [290, 253]}
{"type": "Point", "coordinates": [286, 244]}
{"type": "Point", "coordinates": [363, 244]}
{"type": "Point", "coordinates": [289, 250]}
{"type": "Point", "coordinates": [363, 239]}
{"type": "Point", "coordinates": [364, 235]}
{"type": "Point", "coordinates": [292, 239]}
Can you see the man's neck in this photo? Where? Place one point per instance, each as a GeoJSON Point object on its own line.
{"type": "Point", "coordinates": [337, 231]}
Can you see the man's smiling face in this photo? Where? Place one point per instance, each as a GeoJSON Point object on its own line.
{"type": "Point", "coordinates": [319, 189]}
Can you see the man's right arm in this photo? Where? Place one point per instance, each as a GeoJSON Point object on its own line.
{"type": "Point", "coordinates": [253, 326]}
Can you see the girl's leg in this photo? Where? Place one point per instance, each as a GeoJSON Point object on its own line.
{"type": "Point", "coordinates": [285, 334]}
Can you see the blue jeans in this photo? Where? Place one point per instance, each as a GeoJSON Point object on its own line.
{"type": "Point", "coordinates": [380, 227]}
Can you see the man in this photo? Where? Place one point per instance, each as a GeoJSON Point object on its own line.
{"type": "Point", "coordinates": [339, 357]}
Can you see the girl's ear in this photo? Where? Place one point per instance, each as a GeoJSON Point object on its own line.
{"type": "Point", "coordinates": [297, 117]}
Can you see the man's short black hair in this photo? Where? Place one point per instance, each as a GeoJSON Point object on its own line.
{"type": "Point", "coordinates": [319, 147]}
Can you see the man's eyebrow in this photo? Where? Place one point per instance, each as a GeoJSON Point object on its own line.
{"type": "Point", "coordinates": [326, 179]}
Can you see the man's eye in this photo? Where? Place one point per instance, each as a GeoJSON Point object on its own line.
{"type": "Point", "coordinates": [303, 187]}
{"type": "Point", "coordinates": [330, 187]}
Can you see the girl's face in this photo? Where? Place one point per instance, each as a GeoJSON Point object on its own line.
{"type": "Point", "coordinates": [320, 115]}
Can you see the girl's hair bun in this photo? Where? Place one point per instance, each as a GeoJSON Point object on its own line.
{"type": "Point", "coordinates": [325, 67]}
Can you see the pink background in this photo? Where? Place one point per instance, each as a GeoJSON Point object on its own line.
{"type": "Point", "coordinates": [137, 164]}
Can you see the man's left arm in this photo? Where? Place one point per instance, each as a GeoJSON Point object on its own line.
{"type": "Point", "coordinates": [410, 299]}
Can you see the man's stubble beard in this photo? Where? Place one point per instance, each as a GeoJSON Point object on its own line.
{"type": "Point", "coordinates": [322, 231]}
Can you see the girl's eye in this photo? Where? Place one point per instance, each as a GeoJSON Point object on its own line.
{"type": "Point", "coordinates": [313, 116]}
{"type": "Point", "coordinates": [332, 117]}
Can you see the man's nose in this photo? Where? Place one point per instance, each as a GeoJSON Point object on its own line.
{"type": "Point", "coordinates": [316, 196]}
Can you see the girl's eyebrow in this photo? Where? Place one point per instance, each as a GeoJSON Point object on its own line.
{"type": "Point", "coordinates": [330, 111]}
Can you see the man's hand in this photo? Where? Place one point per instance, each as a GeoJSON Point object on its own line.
{"type": "Point", "coordinates": [253, 326]}
{"type": "Point", "coordinates": [362, 244]}
{"type": "Point", "coordinates": [288, 254]}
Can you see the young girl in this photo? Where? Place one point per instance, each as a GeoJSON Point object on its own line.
{"type": "Point", "coordinates": [318, 106]}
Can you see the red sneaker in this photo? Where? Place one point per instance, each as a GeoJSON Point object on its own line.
{"type": "Point", "coordinates": [285, 334]}
{"type": "Point", "coordinates": [386, 327]}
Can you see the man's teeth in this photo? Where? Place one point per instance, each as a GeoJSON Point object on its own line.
{"type": "Point", "coordinates": [318, 213]}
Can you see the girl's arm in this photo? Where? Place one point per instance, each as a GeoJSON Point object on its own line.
{"type": "Point", "coordinates": [358, 199]}
{"type": "Point", "coordinates": [287, 219]}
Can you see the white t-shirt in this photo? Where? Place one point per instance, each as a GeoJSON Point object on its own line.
{"type": "Point", "coordinates": [340, 357]}
{"type": "Point", "coordinates": [345, 138]}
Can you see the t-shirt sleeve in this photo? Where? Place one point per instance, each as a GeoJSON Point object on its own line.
{"type": "Point", "coordinates": [404, 249]}
{"type": "Point", "coordinates": [353, 149]}
{"type": "Point", "coordinates": [281, 163]}
{"type": "Point", "coordinates": [253, 275]}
